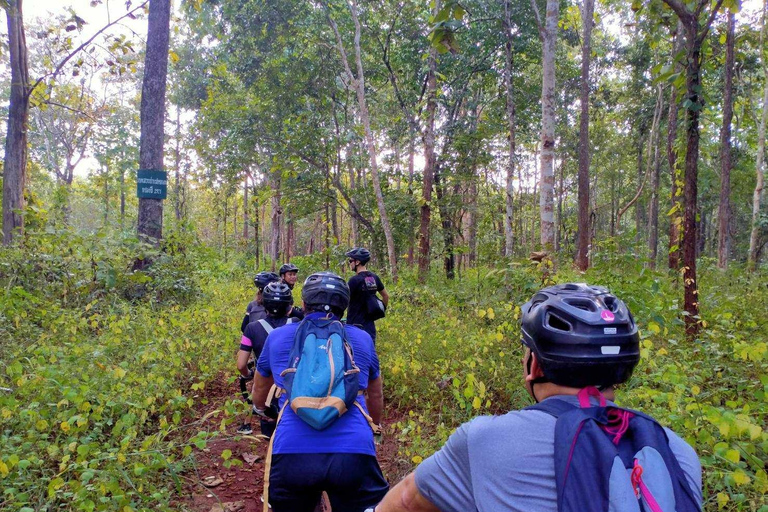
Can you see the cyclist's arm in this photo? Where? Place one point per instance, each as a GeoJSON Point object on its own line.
{"type": "Point", "coordinates": [384, 297]}
{"type": "Point", "coordinates": [242, 361]}
{"type": "Point", "coordinates": [375, 400]}
{"type": "Point", "coordinates": [261, 387]}
{"type": "Point", "coordinates": [244, 323]}
{"type": "Point", "coordinates": [405, 497]}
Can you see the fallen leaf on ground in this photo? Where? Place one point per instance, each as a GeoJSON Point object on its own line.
{"type": "Point", "coordinates": [230, 506]}
{"type": "Point", "coordinates": [212, 481]}
{"type": "Point", "coordinates": [250, 458]}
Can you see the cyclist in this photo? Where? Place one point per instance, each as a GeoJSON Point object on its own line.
{"type": "Point", "coordinates": [363, 287]}
{"type": "Point", "coordinates": [255, 310]}
{"type": "Point", "coordinates": [276, 300]}
{"type": "Point", "coordinates": [289, 273]}
{"type": "Point", "coordinates": [341, 458]}
{"type": "Point", "coordinates": [574, 335]}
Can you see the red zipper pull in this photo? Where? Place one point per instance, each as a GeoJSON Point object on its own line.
{"type": "Point", "coordinates": [637, 476]}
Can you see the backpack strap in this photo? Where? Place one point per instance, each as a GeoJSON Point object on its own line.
{"type": "Point", "coordinates": [553, 407]}
{"type": "Point", "coordinates": [268, 462]}
{"type": "Point", "coordinates": [263, 322]}
{"type": "Point", "coordinates": [291, 320]}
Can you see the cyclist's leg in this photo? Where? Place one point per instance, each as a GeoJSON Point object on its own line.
{"type": "Point", "coordinates": [354, 482]}
{"type": "Point", "coordinates": [295, 482]}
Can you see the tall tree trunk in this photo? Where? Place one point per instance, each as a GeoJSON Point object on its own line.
{"type": "Point", "coordinates": [695, 35]}
{"type": "Point", "coordinates": [449, 257]}
{"type": "Point", "coordinates": [675, 219]}
{"type": "Point", "coordinates": [411, 158]}
{"type": "Point", "coordinates": [235, 207]}
{"type": "Point", "coordinates": [245, 208]}
{"type": "Point", "coordinates": [641, 178]}
{"type": "Point", "coordinates": [724, 210]}
{"type": "Point", "coordinates": [371, 143]}
{"type": "Point", "coordinates": [150, 224]}
{"type": "Point", "coordinates": [122, 197]}
{"type": "Point", "coordinates": [548, 35]}
{"type": "Point", "coordinates": [430, 161]}
{"type": "Point", "coordinates": [509, 239]}
{"type": "Point", "coordinates": [643, 173]}
{"type": "Point", "coordinates": [757, 196]}
{"type": "Point", "coordinates": [224, 224]}
{"type": "Point", "coordinates": [277, 218]}
{"type": "Point", "coordinates": [560, 173]}
{"type": "Point", "coordinates": [653, 213]}
{"type": "Point", "coordinates": [257, 226]}
{"type": "Point", "coordinates": [472, 222]}
{"type": "Point", "coordinates": [582, 259]}
{"type": "Point", "coordinates": [105, 174]}
{"type": "Point", "coordinates": [177, 166]}
{"type": "Point", "coordinates": [15, 163]}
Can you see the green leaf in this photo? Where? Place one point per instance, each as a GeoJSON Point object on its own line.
{"type": "Point", "coordinates": [226, 454]}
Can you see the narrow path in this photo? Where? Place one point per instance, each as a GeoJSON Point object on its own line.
{"type": "Point", "coordinates": [241, 486]}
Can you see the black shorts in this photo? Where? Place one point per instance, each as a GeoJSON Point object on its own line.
{"type": "Point", "coordinates": [353, 481]}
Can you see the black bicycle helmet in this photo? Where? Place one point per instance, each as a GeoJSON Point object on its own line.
{"type": "Point", "coordinates": [288, 267]}
{"type": "Point", "coordinates": [325, 291]}
{"type": "Point", "coordinates": [360, 254]}
{"type": "Point", "coordinates": [262, 279]}
{"type": "Point", "coordinates": [582, 335]}
{"type": "Point", "coordinates": [277, 298]}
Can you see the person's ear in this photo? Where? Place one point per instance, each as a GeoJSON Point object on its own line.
{"type": "Point", "coordinates": [536, 370]}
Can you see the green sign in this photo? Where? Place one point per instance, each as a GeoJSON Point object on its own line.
{"type": "Point", "coordinates": [152, 184]}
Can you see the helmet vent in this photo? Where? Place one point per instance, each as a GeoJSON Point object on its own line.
{"type": "Point", "coordinates": [583, 304]}
{"type": "Point", "coordinates": [557, 323]}
{"type": "Point", "coordinates": [611, 302]}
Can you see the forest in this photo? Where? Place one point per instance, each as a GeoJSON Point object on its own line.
{"type": "Point", "coordinates": [158, 153]}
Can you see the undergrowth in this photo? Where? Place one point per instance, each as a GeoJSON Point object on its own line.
{"type": "Point", "coordinates": [102, 367]}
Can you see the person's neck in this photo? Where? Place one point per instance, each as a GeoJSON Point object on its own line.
{"type": "Point", "coordinates": [545, 390]}
{"type": "Point", "coordinates": [361, 268]}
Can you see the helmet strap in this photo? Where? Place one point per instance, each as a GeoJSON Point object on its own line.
{"type": "Point", "coordinates": [537, 380]}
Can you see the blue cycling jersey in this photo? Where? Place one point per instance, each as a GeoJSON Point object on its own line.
{"type": "Point", "coordinates": [351, 432]}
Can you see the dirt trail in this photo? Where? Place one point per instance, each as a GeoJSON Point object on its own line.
{"type": "Point", "coordinates": [242, 485]}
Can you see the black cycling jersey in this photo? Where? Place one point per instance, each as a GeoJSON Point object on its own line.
{"type": "Point", "coordinates": [361, 286]}
{"type": "Point", "coordinates": [255, 335]}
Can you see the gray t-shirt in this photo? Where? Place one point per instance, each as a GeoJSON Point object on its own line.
{"type": "Point", "coordinates": [507, 463]}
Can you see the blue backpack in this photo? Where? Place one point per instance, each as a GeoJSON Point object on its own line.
{"type": "Point", "coordinates": [322, 378]}
{"type": "Point", "coordinates": [611, 459]}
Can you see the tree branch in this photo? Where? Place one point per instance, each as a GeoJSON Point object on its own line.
{"type": "Point", "coordinates": [710, 19]}
{"type": "Point", "coordinates": [339, 44]}
{"type": "Point", "coordinates": [79, 48]}
{"type": "Point", "coordinates": [681, 10]}
{"type": "Point", "coordinates": [538, 18]}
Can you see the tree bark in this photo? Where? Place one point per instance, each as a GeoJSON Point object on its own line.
{"type": "Point", "coordinates": [359, 85]}
{"type": "Point", "coordinates": [724, 210]}
{"type": "Point", "coordinates": [245, 208]}
{"type": "Point", "coordinates": [177, 165]}
{"type": "Point", "coordinates": [548, 35]}
{"type": "Point", "coordinates": [695, 35]}
{"type": "Point", "coordinates": [582, 259]}
{"type": "Point", "coordinates": [122, 196]}
{"type": "Point", "coordinates": [15, 163]}
{"type": "Point", "coordinates": [675, 220]}
{"type": "Point", "coordinates": [653, 213]}
{"type": "Point", "coordinates": [509, 238]}
{"type": "Point", "coordinates": [277, 219]}
{"type": "Point", "coordinates": [472, 222]}
{"type": "Point", "coordinates": [150, 223]}
{"type": "Point", "coordinates": [757, 196]}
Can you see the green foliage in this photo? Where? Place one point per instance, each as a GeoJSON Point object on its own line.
{"type": "Point", "coordinates": [451, 351]}
{"type": "Point", "coordinates": [99, 382]}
